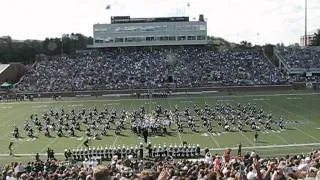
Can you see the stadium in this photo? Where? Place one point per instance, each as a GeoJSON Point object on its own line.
{"type": "Point", "coordinates": [151, 99]}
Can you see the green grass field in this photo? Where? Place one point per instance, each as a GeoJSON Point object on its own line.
{"type": "Point", "coordinates": [301, 110]}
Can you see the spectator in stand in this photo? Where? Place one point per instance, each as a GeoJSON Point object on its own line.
{"type": "Point", "coordinates": [306, 59]}
{"type": "Point", "coordinates": [297, 57]}
{"type": "Point", "coordinates": [139, 68]}
{"type": "Point", "coordinates": [250, 167]}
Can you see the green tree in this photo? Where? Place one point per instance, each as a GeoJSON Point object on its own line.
{"type": "Point", "coordinates": [26, 51]}
{"type": "Point", "coordinates": [269, 52]}
{"type": "Point", "coordinates": [245, 44]}
{"type": "Point", "coordinates": [316, 40]}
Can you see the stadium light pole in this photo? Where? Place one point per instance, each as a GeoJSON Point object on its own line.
{"type": "Point", "coordinates": [61, 44]}
{"type": "Point", "coordinates": [305, 23]}
{"type": "Point", "coordinates": [188, 9]}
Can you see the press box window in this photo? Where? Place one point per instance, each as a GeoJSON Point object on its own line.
{"type": "Point", "coordinates": [150, 38]}
{"type": "Point", "coordinates": [119, 40]}
{"type": "Point", "coordinates": [181, 38]}
{"type": "Point", "coordinates": [201, 37]}
{"type": "Point", "coordinates": [172, 38]}
{"type": "Point", "coordinates": [164, 38]}
{"type": "Point", "coordinates": [98, 41]}
{"type": "Point", "coordinates": [190, 38]}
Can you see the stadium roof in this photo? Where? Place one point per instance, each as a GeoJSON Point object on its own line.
{"type": "Point", "coordinates": [128, 19]}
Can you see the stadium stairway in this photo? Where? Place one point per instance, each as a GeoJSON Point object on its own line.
{"type": "Point", "coordinates": [11, 72]}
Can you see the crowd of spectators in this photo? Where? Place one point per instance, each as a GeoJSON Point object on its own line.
{"type": "Point", "coordinates": [227, 165]}
{"type": "Point", "coordinates": [297, 57]}
{"type": "Point", "coordinates": [149, 68]}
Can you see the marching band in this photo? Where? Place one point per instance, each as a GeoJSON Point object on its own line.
{"type": "Point", "coordinates": [106, 153]}
{"type": "Point", "coordinates": [159, 121]}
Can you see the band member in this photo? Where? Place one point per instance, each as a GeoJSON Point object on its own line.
{"type": "Point", "coordinates": [86, 143]}
{"type": "Point", "coordinates": [16, 132]}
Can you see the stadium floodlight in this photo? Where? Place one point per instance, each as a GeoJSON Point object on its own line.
{"type": "Point", "coordinates": [188, 9]}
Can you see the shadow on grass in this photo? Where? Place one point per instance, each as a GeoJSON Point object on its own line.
{"type": "Point", "coordinates": [187, 132]}
{"type": "Point", "coordinates": [107, 135]}
{"type": "Point", "coordinates": [232, 130]}
{"type": "Point", "coordinates": [76, 136]}
{"type": "Point", "coordinates": [15, 156]}
{"type": "Point", "coordinates": [290, 129]}
{"type": "Point", "coordinates": [50, 136]}
{"type": "Point", "coordinates": [124, 135]}
{"type": "Point", "coordinates": [171, 134]}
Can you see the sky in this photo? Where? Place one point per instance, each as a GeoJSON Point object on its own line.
{"type": "Point", "coordinates": [256, 21]}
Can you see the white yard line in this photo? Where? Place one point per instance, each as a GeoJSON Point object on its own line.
{"type": "Point", "coordinates": [281, 138]}
{"type": "Point", "coordinates": [289, 112]}
{"type": "Point", "coordinates": [306, 134]}
{"type": "Point", "coordinates": [79, 145]}
{"type": "Point", "coordinates": [126, 99]}
{"type": "Point", "coordinates": [114, 142]}
{"type": "Point", "coordinates": [48, 145]}
{"type": "Point", "coordinates": [307, 110]}
{"type": "Point", "coordinates": [180, 138]}
{"type": "Point", "coordinates": [210, 134]}
{"type": "Point", "coordinates": [214, 140]}
{"type": "Point", "coordinates": [179, 134]}
{"type": "Point", "coordinates": [246, 138]}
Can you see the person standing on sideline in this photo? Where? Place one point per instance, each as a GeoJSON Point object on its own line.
{"type": "Point", "coordinates": [10, 149]}
{"type": "Point", "coordinates": [256, 137]}
{"type": "Point", "coordinates": [239, 149]}
{"type": "Point", "coordinates": [145, 135]}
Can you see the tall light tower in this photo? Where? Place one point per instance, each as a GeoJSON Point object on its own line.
{"type": "Point", "coordinates": [305, 23]}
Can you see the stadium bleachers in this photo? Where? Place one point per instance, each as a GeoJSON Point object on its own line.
{"type": "Point", "coordinates": [303, 58]}
{"type": "Point", "coordinates": [139, 68]}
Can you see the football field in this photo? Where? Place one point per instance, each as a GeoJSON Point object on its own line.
{"type": "Point", "coordinates": [300, 111]}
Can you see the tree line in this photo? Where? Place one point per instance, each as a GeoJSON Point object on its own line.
{"type": "Point", "coordinates": [27, 51]}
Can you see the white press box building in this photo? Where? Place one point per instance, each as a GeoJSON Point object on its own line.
{"type": "Point", "coordinates": [124, 31]}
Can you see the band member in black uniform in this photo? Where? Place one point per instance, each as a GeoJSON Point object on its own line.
{"type": "Point", "coordinates": [86, 143]}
